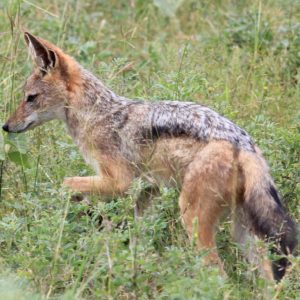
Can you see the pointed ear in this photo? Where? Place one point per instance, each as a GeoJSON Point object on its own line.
{"type": "Point", "coordinates": [45, 58]}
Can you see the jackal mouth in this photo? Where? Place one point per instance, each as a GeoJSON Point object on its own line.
{"type": "Point", "coordinates": [24, 129]}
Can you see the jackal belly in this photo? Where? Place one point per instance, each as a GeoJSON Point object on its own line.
{"type": "Point", "coordinates": [165, 162]}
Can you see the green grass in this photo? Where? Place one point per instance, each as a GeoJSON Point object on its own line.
{"type": "Point", "coordinates": [239, 57]}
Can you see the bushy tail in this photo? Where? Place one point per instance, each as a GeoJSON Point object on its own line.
{"type": "Point", "coordinates": [265, 212]}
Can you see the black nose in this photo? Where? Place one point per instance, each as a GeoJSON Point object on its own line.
{"type": "Point", "coordinates": [5, 127]}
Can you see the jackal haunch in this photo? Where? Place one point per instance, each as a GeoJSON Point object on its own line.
{"type": "Point", "coordinates": [214, 162]}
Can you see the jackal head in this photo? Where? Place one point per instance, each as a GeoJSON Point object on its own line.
{"type": "Point", "coordinates": [46, 90]}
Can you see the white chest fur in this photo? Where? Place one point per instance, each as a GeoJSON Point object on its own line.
{"type": "Point", "coordinates": [88, 157]}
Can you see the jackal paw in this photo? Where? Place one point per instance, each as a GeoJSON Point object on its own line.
{"type": "Point", "coordinates": [77, 198]}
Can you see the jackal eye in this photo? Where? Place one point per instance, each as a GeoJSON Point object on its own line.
{"type": "Point", "coordinates": [31, 98]}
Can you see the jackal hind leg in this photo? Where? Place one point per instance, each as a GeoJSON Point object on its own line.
{"type": "Point", "coordinates": [200, 222]}
{"type": "Point", "coordinates": [205, 195]}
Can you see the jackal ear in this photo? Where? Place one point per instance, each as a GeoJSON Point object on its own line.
{"type": "Point", "coordinates": [45, 58]}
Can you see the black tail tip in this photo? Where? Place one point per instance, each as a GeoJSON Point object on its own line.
{"type": "Point", "coordinates": [287, 246]}
{"type": "Point", "coordinates": [279, 268]}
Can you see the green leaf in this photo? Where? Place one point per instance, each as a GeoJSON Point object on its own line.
{"type": "Point", "coordinates": [19, 159]}
{"type": "Point", "coordinates": [19, 141]}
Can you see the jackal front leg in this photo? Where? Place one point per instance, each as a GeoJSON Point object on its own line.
{"type": "Point", "coordinates": [96, 185]}
{"type": "Point", "coordinates": [116, 179]}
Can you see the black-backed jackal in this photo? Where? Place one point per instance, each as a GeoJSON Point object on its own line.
{"type": "Point", "coordinates": [214, 162]}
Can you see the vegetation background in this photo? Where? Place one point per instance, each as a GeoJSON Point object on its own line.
{"type": "Point", "coordinates": [240, 57]}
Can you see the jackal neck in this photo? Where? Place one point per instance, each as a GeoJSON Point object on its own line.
{"type": "Point", "coordinates": [92, 102]}
{"type": "Point", "coordinates": [95, 94]}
